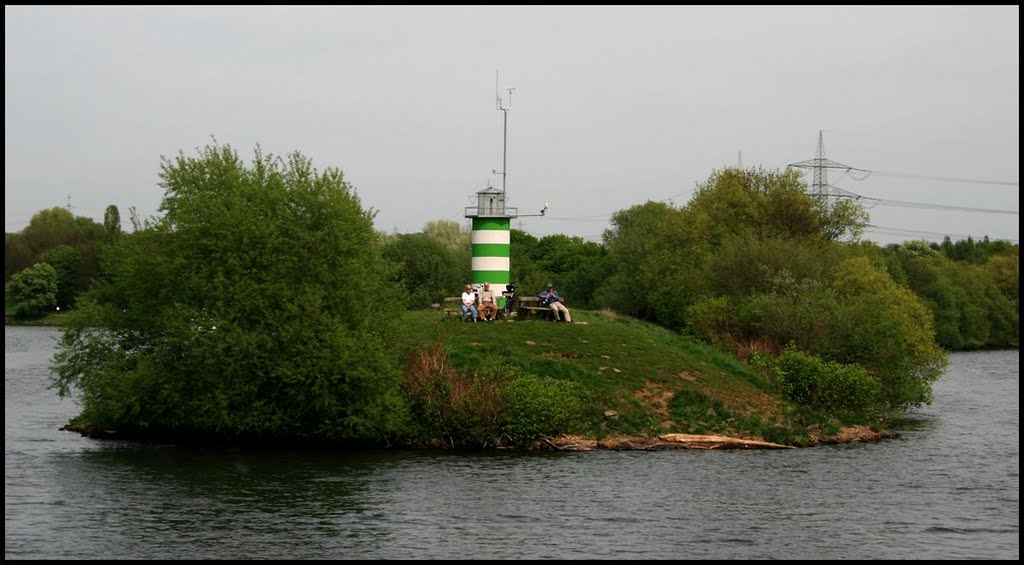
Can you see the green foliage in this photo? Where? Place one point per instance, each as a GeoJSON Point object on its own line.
{"type": "Point", "coordinates": [448, 233]}
{"type": "Point", "coordinates": [49, 229]}
{"type": "Point", "coordinates": [459, 409]}
{"type": "Point", "coordinates": [747, 264]}
{"type": "Point", "coordinates": [752, 263]}
{"type": "Point", "coordinates": [971, 251]}
{"type": "Point", "coordinates": [485, 401]}
{"type": "Point", "coordinates": [576, 267]}
{"type": "Point", "coordinates": [974, 305]}
{"type": "Point", "coordinates": [841, 391]}
{"type": "Point", "coordinates": [918, 248]}
{"type": "Point", "coordinates": [765, 204]}
{"type": "Point", "coordinates": [610, 358]}
{"type": "Point", "coordinates": [842, 220]}
{"type": "Point", "coordinates": [258, 306]}
{"type": "Point", "coordinates": [65, 261]}
{"type": "Point", "coordinates": [886, 329]}
{"type": "Point", "coordinates": [801, 311]}
{"type": "Point", "coordinates": [33, 291]}
{"type": "Point", "coordinates": [884, 258]}
{"type": "Point", "coordinates": [524, 269]}
{"type": "Point", "coordinates": [699, 411]}
{"type": "Point", "coordinates": [18, 255]}
{"type": "Point", "coordinates": [713, 319]}
{"type": "Point", "coordinates": [783, 309]}
{"type": "Point", "coordinates": [426, 269]}
{"type": "Point", "coordinates": [652, 249]}
{"type": "Point", "coordinates": [1005, 272]}
{"type": "Point", "coordinates": [112, 221]}
{"type": "Point", "coordinates": [535, 407]}
{"type": "Point", "coordinates": [740, 228]}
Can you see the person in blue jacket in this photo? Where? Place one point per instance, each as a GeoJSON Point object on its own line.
{"type": "Point", "coordinates": [551, 299]}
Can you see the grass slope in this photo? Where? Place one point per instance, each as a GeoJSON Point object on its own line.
{"type": "Point", "coordinates": [642, 379]}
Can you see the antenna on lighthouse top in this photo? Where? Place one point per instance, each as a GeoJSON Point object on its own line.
{"type": "Point", "coordinates": [504, 145]}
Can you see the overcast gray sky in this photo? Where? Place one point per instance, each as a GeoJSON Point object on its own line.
{"type": "Point", "coordinates": [612, 107]}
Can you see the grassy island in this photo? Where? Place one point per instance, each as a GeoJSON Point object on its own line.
{"type": "Point", "coordinates": [625, 382]}
{"type": "Point", "coordinates": [262, 306]}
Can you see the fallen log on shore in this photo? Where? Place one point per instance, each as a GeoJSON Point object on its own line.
{"type": "Point", "coordinates": [694, 441]}
{"type": "Point", "coordinates": [664, 441]}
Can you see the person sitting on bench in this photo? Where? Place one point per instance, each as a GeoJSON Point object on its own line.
{"type": "Point", "coordinates": [469, 302]}
{"type": "Point", "coordinates": [488, 303]}
{"type": "Point", "coordinates": [551, 299]}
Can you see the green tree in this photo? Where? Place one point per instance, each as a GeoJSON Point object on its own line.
{"type": "Point", "coordinates": [66, 261]}
{"type": "Point", "coordinates": [651, 249]}
{"type": "Point", "coordinates": [885, 328]}
{"type": "Point", "coordinates": [974, 305]}
{"type": "Point", "coordinates": [257, 306]}
{"type": "Point", "coordinates": [112, 221]}
{"type": "Point", "coordinates": [524, 270]}
{"type": "Point", "coordinates": [740, 229]}
{"type": "Point", "coordinates": [447, 232]}
{"type": "Point", "coordinates": [49, 229]}
{"type": "Point", "coordinates": [763, 203]}
{"type": "Point", "coordinates": [17, 254]}
{"type": "Point", "coordinates": [426, 269]}
{"type": "Point", "coordinates": [841, 220]}
{"type": "Point", "coordinates": [576, 266]}
{"type": "Point", "coordinates": [918, 248]}
{"type": "Point", "coordinates": [33, 291]}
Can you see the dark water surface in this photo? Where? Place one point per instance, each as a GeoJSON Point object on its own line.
{"type": "Point", "coordinates": [948, 488]}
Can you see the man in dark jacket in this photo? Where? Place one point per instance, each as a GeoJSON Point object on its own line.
{"type": "Point", "coordinates": [551, 299]}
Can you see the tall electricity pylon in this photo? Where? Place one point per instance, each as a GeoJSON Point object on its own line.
{"type": "Point", "coordinates": [820, 165]}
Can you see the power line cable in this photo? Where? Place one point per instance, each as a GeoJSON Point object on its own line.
{"type": "Point", "coordinates": [886, 202]}
{"type": "Point", "coordinates": [930, 177]}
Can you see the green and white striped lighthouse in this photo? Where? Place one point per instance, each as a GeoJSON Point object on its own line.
{"type": "Point", "coordinates": [492, 222]}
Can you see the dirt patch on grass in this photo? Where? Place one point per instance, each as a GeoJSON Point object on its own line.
{"type": "Point", "coordinates": [563, 354]}
{"type": "Point", "coordinates": [656, 395]}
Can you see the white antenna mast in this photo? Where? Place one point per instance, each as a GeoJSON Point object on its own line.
{"type": "Point", "coordinates": [504, 145]}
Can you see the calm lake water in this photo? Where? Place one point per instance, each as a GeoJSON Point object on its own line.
{"type": "Point", "coordinates": [948, 488]}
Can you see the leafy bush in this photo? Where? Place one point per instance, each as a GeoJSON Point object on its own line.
{"type": "Point", "coordinates": [33, 291]}
{"type": "Point", "coordinates": [535, 407]}
{"type": "Point", "coordinates": [426, 269]}
{"type": "Point", "coordinates": [886, 329]}
{"type": "Point", "coordinates": [65, 261]}
{"type": "Point", "coordinates": [838, 390]}
{"type": "Point", "coordinates": [454, 408]}
{"type": "Point", "coordinates": [713, 319]}
{"type": "Point", "coordinates": [257, 307]}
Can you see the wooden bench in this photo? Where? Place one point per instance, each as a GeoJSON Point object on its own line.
{"type": "Point", "coordinates": [530, 306]}
{"type": "Point", "coordinates": [450, 306]}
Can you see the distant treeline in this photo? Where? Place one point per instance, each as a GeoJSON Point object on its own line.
{"type": "Point", "coordinates": [751, 259]}
{"type": "Point", "coordinates": [657, 263]}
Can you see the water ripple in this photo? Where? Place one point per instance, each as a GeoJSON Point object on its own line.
{"type": "Point", "coordinates": [948, 488]}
